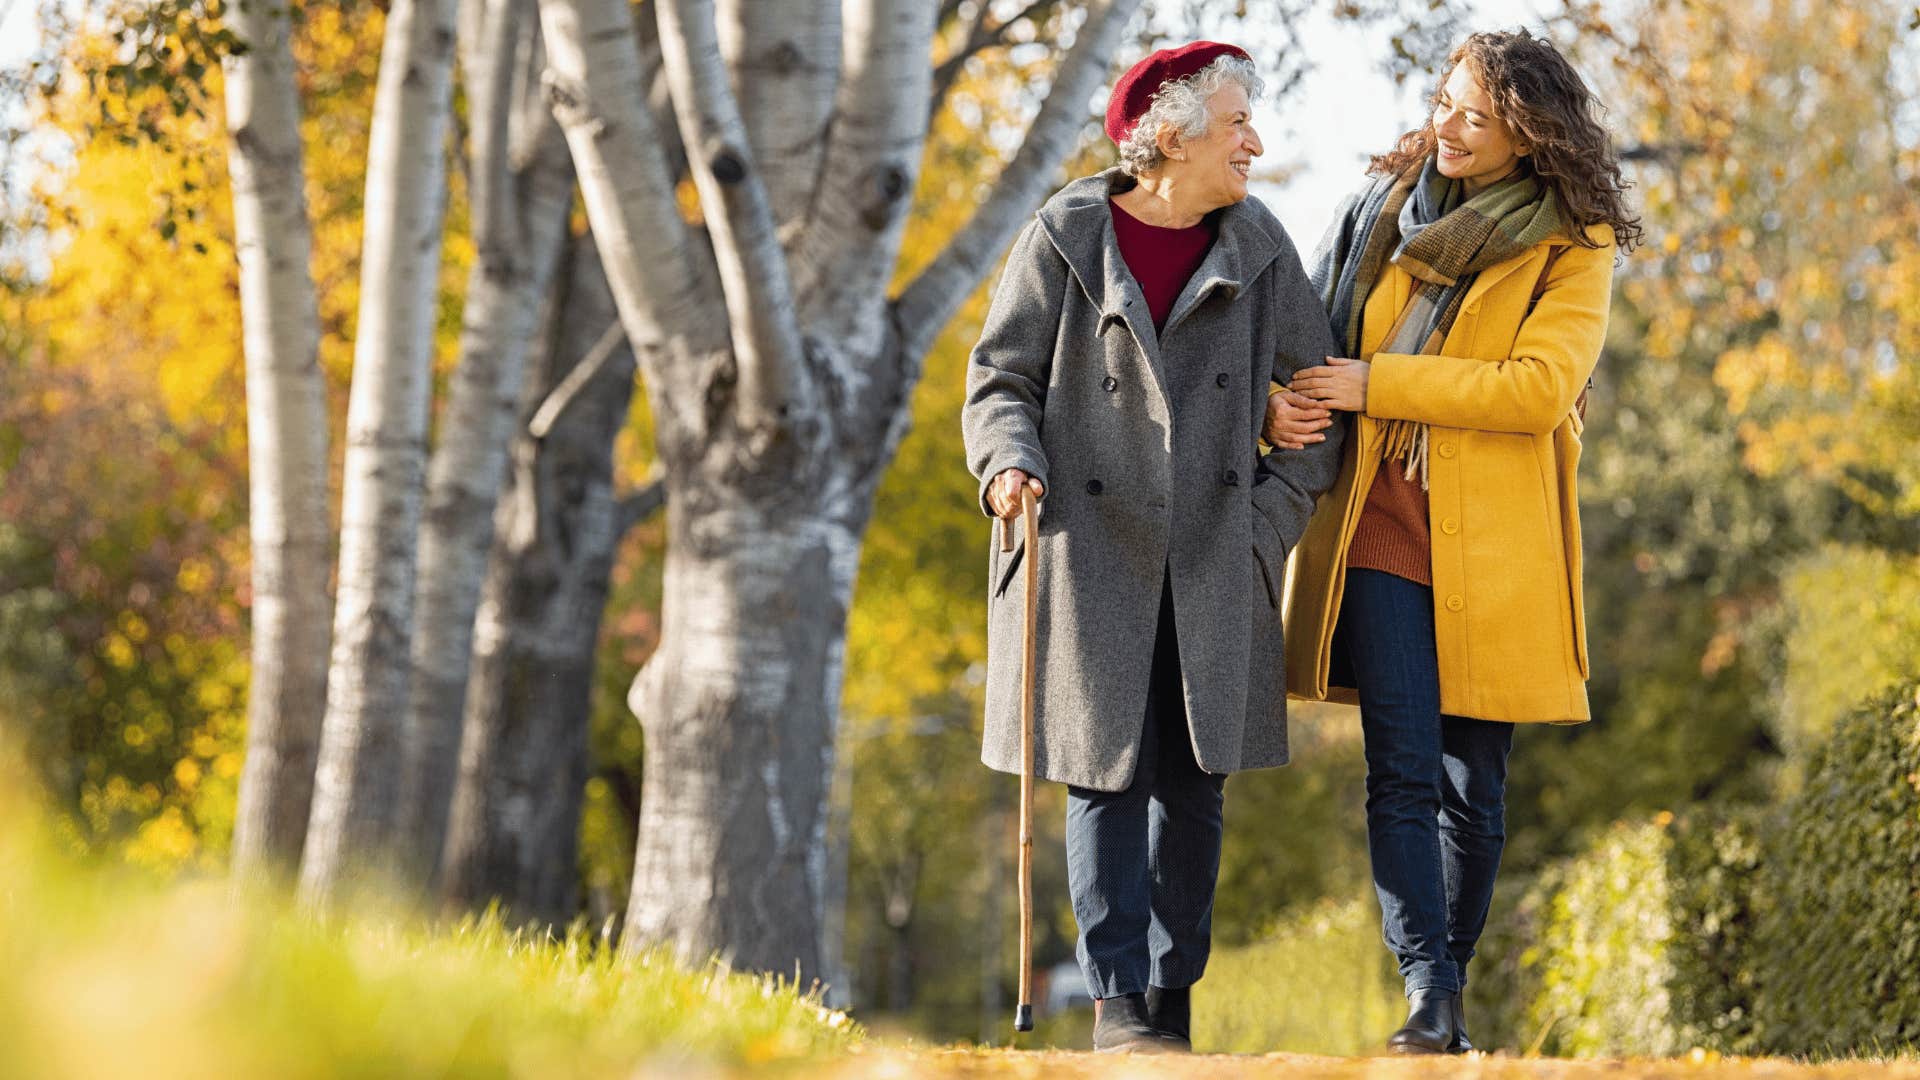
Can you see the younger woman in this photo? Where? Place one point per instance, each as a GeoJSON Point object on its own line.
{"type": "Point", "coordinates": [1438, 585]}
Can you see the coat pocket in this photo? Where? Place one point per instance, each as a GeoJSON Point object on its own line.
{"type": "Point", "coordinates": [1567, 457]}
{"type": "Point", "coordinates": [1266, 578]}
{"type": "Point", "coordinates": [1010, 563]}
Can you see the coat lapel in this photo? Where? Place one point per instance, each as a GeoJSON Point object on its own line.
{"type": "Point", "coordinates": [1240, 251]}
{"type": "Point", "coordinates": [1080, 224]}
{"type": "Point", "coordinates": [1495, 274]}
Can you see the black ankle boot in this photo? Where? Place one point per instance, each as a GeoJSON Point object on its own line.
{"type": "Point", "coordinates": [1120, 1027]}
{"type": "Point", "coordinates": [1169, 1012]}
{"type": "Point", "coordinates": [1429, 1027]}
{"type": "Point", "coordinates": [1460, 1044]}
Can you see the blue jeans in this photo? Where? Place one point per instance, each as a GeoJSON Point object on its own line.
{"type": "Point", "coordinates": [1141, 863]}
{"type": "Point", "coordinates": [1436, 785]}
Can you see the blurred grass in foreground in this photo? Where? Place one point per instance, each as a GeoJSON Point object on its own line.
{"type": "Point", "coordinates": [107, 971]}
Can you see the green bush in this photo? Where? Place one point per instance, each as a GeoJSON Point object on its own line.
{"type": "Point", "coordinates": [1792, 929]}
{"type": "Point", "coordinates": [1633, 947]}
{"type": "Point", "coordinates": [1840, 945]}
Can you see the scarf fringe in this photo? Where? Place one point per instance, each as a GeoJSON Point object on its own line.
{"type": "Point", "coordinates": [1406, 442]}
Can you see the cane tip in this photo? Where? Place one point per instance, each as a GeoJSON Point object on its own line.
{"type": "Point", "coordinates": [1023, 1018]}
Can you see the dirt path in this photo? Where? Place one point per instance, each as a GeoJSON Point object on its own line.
{"type": "Point", "coordinates": [885, 1063]}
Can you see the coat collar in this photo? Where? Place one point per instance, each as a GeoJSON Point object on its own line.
{"type": "Point", "coordinates": [1079, 223]}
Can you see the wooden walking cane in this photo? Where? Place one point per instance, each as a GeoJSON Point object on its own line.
{"type": "Point", "coordinates": [1029, 516]}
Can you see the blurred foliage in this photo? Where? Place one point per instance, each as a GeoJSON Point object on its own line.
{"type": "Point", "coordinates": [1297, 834]}
{"type": "Point", "coordinates": [1316, 982]}
{"type": "Point", "coordinates": [123, 427]}
{"type": "Point", "coordinates": [1853, 634]}
{"type": "Point", "coordinates": [1790, 929]}
{"type": "Point", "coordinates": [123, 650]}
{"type": "Point", "coordinates": [109, 971]}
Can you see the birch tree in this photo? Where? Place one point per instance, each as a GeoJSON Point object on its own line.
{"type": "Point", "coordinates": [523, 758]}
{"type": "Point", "coordinates": [286, 437]}
{"type": "Point", "coordinates": [779, 370]}
{"type": "Point", "coordinates": [356, 786]}
{"type": "Point", "coordinates": [521, 190]}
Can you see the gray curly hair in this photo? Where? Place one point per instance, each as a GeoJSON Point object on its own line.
{"type": "Point", "coordinates": [1182, 106]}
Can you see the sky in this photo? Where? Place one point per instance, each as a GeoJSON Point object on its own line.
{"type": "Point", "coordinates": [19, 31]}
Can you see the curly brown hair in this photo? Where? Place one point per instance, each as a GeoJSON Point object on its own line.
{"type": "Point", "coordinates": [1547, 106]}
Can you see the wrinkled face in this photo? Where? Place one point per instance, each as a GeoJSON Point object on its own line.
{"type": "Point", "coordinates": [1214, 167]}
{"type": "Point", "coordinates": [1474, 145]}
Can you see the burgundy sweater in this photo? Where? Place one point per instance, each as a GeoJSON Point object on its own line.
{"type": "Point", "coordinates": [1161, 259]}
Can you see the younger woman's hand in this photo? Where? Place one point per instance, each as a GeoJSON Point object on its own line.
{"type": "Point", "coordinates": [1340, 384]}
{"type": "Point", "coordinates": [1294, 422]}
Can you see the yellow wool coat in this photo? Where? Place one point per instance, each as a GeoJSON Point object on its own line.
{"type": "Point", "coordinates": [1504, 446]}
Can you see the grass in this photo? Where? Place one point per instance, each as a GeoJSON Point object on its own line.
{"type": "Point", "coordinates": [110, 971]}
{"type": "Point", "coordinates": [106, 971]}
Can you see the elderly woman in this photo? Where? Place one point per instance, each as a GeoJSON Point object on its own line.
{"type": "Point", "coordinates": [1122, 374]}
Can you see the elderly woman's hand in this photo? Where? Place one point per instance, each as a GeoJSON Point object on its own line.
{"type": "Point", "coordinates": [1294, 422]}
{"type": "Point", "coordinates": [1004, 493]}
{"type": "Point", "coordinates": [1340, 384]}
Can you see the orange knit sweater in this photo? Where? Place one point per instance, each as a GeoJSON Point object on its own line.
{"type": "Point", "coordinates": [1392, 533]}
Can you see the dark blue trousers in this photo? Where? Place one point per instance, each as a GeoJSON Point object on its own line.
{"type": "Point", "coordinates": [1141, 863]}
{"type": "Point", "coordinates": [1436, 785]}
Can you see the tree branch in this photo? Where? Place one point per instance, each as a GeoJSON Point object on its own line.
{"type": "Point", "coordinates": [598, 89]}
{"type": "Point", "coordinates": [978, 34]}
{"type": "Point", "coordinates": [572, 388]}
{"type": "Point", "coordinates": [981, 36]}
{"type": "Point", "coordinates": [925, 305]}
{"type": "Point", "coordinates": [879, 136]}
{"type": "Point", "coordinates": [487, 63]}
{"type": "Point", "coordinates": [769, 356]}
{"type": "Point", "coordinates": [637, 506]}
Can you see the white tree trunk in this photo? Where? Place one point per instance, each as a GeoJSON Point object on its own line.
{"type": "Point", "coordinates": [780, 376]}
{"type": "Point", "coordinates": [514, 835]}
{"type": "Point", "coordinates": [357, 784]}
{"type": "Point", "coordinates": [739, 705]}
{"type": "Point", "coordinates": [289, 517]}
{"type": "Point", "coordinates": [522, 193]}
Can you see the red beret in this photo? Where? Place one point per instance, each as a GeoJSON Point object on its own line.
{"type": "Point", "coordinates": [1135, 90]}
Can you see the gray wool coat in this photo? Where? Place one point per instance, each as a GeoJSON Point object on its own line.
{"type": "Point", "coordinates": [1147, 446]}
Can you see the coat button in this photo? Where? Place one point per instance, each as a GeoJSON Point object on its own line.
{"type": "Point", "coordinates": [1220, 380]}
{"type": "Point", "coordinates": [1230, 477]}
{"type": "Point", "coordinates": [1447, 450]}
{"type": "Point", "coordinates": [1109, 384]}
{"type": "Point", "coordinates": [1093, 487]}
{"type": "Point", "coordinates": [1449, 526]}
{"type": "Point", "coordinates": [1455, 602]}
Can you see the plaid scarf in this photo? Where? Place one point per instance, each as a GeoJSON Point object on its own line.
{"type": "Point", "coordinates": [1422, 222]}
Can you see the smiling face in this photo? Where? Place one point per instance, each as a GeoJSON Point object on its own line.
{"type": "Point", "coordinates": [1211, 170]}
{"type": "Point", "coordinates": [1472, 144]}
